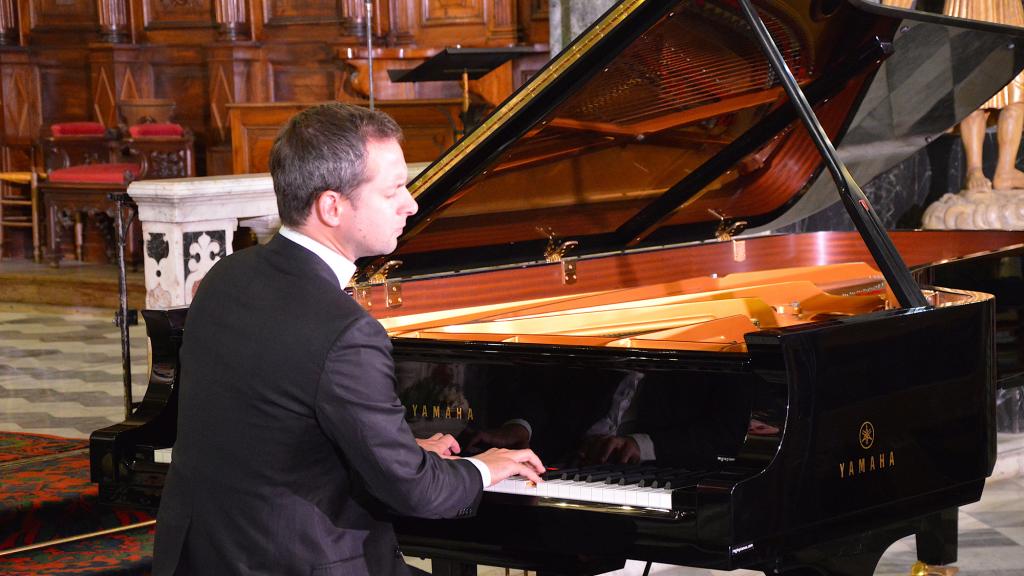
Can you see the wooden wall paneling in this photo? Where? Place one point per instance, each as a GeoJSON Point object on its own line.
{"type": "Point", "coordinates": [533, 21]}
{"type": "Point", "coordinates": [19, 96]}
{"type": "Point", "coordinates": [63, 84]}
{"type": "Point", "coordinates": [303, 20]}
{"type": "Point", "coordinates": [290, 12]}
{"type": "Point", "coordinates": [159, 14]}
{"type": "Point", "coordinates": [402, 14]}
{"type": "Point", "coordinates": [253, 129]}
{"type": "Point", "coordinates": [237, 74]}
{"type": "Point", "coordinates": [449, 22]}
{"type": "Point", "coordinates": [56, 19]}
{"type": "Point", "coordinates": [180, 74]}
{"type": "Point", "coordinates": [429, 126]}
{"type": "Point", "coordinates": [447, 12]}
{"type": "Point", "coordinates": [303, 72]}
{"type": "Point", "coordinates": [117, 72]}
{"type": "Point", "coordinates": [503, 23]}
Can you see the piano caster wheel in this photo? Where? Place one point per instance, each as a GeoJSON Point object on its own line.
{"type": "Point", "coordinates": [922, 569]}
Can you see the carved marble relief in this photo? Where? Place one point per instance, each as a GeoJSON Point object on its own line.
{"type": "Point", "coordinates": [159, 271]}
{"type": "Point", "coordinates": [203, 249]}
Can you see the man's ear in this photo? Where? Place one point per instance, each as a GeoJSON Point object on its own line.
{"type": "Point", "coordinates": [328, 207]}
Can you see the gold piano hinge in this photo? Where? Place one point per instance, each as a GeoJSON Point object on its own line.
{"type": "Point", "coordinates": [569, 271]}
{"type": "Point", "coordinates": [377, 276]}
{"type": "Point", "coordinates": [361, 293]}
{"type": "Point", "coordinates": [555, 252]}
{"type": "Point", "coordinates": [727, 228]}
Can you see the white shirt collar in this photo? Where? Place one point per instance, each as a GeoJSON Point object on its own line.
{"type": "Point", "coordinates": [341, 266]}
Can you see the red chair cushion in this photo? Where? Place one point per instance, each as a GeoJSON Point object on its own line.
{"type": "Point", "coordinates": [151, 130]}
{"type": "Point", "coordinates": [95, 173]}
{"type": "Point", "coordinates": [78, 129]}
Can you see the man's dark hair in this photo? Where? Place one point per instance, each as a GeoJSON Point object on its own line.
{"type": "Point", "coordinates": [323, 148]}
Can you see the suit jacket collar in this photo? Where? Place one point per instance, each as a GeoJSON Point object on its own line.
{"type": "Point", "coordinates": [299, 260]}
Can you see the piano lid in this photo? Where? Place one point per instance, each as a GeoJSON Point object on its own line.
{"type": "Point", "coordinates": [661, 124]}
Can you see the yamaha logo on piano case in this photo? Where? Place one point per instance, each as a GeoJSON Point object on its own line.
{"type": "Point", "coordinates": [438, 411]}
{"type": "Point", "coordinates": [872, 462]}
{"type": "Point", "coordinates": [867, 435]}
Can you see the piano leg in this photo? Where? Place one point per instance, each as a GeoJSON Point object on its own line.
{"type": "Point", "coordinates": [936, 541]}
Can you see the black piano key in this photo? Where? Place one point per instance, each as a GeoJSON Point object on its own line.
{"type": "Point", "coordinates": [602, 476]}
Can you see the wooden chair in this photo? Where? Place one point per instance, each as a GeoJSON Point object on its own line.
{"type": "Point", "coordinates": [162, 150]}
{"type": "Point", "coordinates": [84, 163]}
{"type": "Point", "coordinates": [20, 211]}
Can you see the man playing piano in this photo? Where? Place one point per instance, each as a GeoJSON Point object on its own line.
{"type": "Point", "coordinates": [291, 443]}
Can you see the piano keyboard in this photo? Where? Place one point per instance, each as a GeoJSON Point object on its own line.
{"type": "Point", "coordinates": [643, 487]}
{"type": "Point", "coordinates": [640, 486]}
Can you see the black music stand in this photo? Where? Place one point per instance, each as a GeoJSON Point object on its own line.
{"type": "Point", "coordinates": [462, 64]}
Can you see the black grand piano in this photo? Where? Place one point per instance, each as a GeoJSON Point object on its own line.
{"type": "Point", "coordinates": [577, 281]}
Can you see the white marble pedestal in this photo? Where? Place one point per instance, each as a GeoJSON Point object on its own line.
{"type": "Point", "coordinates": [188, 224]}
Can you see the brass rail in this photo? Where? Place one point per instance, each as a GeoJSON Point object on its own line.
{"type": "Point", "coordinates": [77, 537]}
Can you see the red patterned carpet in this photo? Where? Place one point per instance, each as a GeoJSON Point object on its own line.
{"type": "Point", "coordinates": [46, 495]}
{"type": "Point", "coordinates": [17, 446]}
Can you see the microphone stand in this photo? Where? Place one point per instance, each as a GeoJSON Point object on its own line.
{"type": "Point", "coordinates": [369, 45]}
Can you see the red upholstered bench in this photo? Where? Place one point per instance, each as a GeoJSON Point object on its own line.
{"type": "Point", "coordinates": [120, 173]}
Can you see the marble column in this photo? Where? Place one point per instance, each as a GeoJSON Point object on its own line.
{"type": "Point", "coordinates": [568, 18]}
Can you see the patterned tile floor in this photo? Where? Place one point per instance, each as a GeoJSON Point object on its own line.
{"type": "Point", "coordinates": [60, 373]}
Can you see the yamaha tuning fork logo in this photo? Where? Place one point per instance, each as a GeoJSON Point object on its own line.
{"type": "Point", "coordinates": [862, 463]}
{"type": "Point", "coordinates": [867, 435]}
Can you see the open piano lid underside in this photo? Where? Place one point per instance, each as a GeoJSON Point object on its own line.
{"type": "Point", "coordinates": [662, 124]}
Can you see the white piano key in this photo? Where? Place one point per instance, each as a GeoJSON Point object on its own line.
{"type": "Point", "coordinates": [162, 456]}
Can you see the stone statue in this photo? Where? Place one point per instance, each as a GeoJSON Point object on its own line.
{"type": "Point", "coordinates": [1009, 101]}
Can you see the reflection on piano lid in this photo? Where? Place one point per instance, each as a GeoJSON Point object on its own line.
{"type": "Point", "coordinates": [584, 244]}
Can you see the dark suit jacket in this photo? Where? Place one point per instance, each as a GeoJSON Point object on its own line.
{"type": "Point", "coordinates": [291, 439]}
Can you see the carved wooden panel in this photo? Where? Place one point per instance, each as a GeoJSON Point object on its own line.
{"type": "Point", "coordinates": [178, 14]}
{"type": "Point", "coordinates": [19, 96]}
{"type": "Point", "coordinates": [64, 14]}
{"type": "Point", "coordinates": [301, 72]}
{"type": "Point", "coordinates": [297, 83]}
{"type": "Point", "coordinates": [447, 12]}
{"type": "Point", "coordinates": [185, 82]}
{"type": "Point", "coordinates": [287, 12]}
{"type": "Point", "coordinates": [533, 21]}
{"type": "Point", "coordinates": [64, 86]}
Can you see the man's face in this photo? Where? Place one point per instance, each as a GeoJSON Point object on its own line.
{"type": "Point", "coordinates": [376, 212]}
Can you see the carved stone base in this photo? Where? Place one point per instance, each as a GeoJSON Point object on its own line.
{"type": "Point", "coordinates": [178, 255]}
{"type": "Point", "coordinates": [977, 210]}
